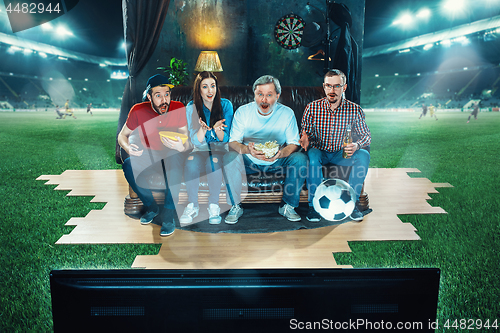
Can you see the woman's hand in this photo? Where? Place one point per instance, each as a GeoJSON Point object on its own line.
{"type": "Point", "coordinates": [219, 126]}
{"type": "Point", "coordinates": [203, 125]}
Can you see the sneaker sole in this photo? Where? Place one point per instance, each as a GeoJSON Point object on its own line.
{"type": "Point", "coordinates": [215, 221]}
{"type": "Point", "coordinates": [192, 218]}
{"type": "Point", "coordinates": [314, 219]}
{"type": "Point", "coordinates": [148, 222]}
{"type": "Point", "coordinates": [290, 219]}
{"type": "Point", "coordinates": [359, 219]}
{"type": "Point", "coordinates": [165, 234]}
{"type": "Point", "coordinates": [237, 218]}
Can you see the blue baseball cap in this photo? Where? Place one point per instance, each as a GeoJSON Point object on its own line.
{"type": "Point", "coordinates": [155, 81]}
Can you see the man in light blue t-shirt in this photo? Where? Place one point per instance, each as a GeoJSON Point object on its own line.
{"type": "Point", "coordinates": [259, 122]}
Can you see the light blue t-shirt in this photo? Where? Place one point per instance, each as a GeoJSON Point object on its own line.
{"type": "Point", "coordinates": [210, 136]}
{"type": "Point", "coordinates": [250, 126]}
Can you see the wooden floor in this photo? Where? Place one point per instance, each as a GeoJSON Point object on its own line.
{"type": "Point", "coordinates": [391, 192]}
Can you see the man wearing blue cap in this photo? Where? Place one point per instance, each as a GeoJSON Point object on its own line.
{"type": "Point", "coordinates": [140, 138]}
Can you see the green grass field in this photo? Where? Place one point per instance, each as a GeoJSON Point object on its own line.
{"type": "Point", "coordinates": [464, 244]}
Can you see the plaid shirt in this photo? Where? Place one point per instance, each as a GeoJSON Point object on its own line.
{"type": "Point", "coordinates": [326, 128]}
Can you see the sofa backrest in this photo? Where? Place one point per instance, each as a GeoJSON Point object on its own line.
{"type": "Point", "coordinates": [296, 98]}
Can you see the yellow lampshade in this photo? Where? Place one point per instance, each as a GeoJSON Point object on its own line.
{"type": "Point", "coordinates": [208, 61]}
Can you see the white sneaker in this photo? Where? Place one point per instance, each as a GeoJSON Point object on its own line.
{"type": "Point", "coordinates": [213, 214]}
{"type": "Point", "coordinates": [190, 212]}
{"type": "Point", "coordinates": [234, 214]}
{"type": "Point", "coordinates": [289, 212]}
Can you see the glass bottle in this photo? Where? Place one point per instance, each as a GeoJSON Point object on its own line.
{"type": "Point", "coordinates": [347, 140]}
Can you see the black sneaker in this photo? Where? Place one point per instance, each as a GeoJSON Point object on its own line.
{"type": "Point", "coordinates": [356, 215]}
{"type": "Point", "coordinates": [168, 223]}
{"type": "Point", "coordinates": [313, 215]}
{"type": "Point", "coordinates": [148, 217]}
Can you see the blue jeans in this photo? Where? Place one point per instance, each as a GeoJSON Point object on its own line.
{"type": "Point", "coordinates": [195, 164]}
{"type": "Point", "coordinates": [359, 161]}
{"type": "Point", "coordinates": [167, 160]}
{"type": "Point", "coordinates": [293, 166]}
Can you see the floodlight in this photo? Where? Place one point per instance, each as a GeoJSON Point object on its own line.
{"type": "Point", "coordinates": [378, 86]}
{"type": "Point", "coordinates": [42, 54]}
{"type": "Point", "coordinates": [396, 74]}
{"type": "Point", "coordinates": [376, 75]}
{"type": "Point", "coordinates": [62, 58]}
{"type": "Point", "coordinates": [13, 49]}
{"type": "Point", "coordinates": [428, 46]}
{"type": "Point", "coordinates": [466, 68]}
{"type": "Point", "coordinates": [27, 51]}
{"type": "Point", "coordinates": [47, 26]}
{"type": "Point", "coordinates": [424, 13]}
{"type": "Point", "coordinates": [418, 74]}
{"type": "Point", "coordinates": [102, 65]}
{"type": "Point", "coordinates": [446, 42]}
{"type": "Point", "coordinates": [462, 40]}
{"type": "Point", "coordinates": [404, 51]}
{"type": "Point", "coordinates": [62, 31]}
{"type": "Point", "coordinates": [86, 79]}
{"type": "Point", "coordinates": [404, 20]}
{"type": "Point", "coordinates": [453, 7]}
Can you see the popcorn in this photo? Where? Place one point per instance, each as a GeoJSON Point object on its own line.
{"type": "Point", "coordinates": [270, 148]}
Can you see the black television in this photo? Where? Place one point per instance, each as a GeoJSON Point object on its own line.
{"type": "Point", "coordinates": [244, 300]}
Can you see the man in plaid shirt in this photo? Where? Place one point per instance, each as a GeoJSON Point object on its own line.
{"type": "Point", "coordinates": [323, 129]}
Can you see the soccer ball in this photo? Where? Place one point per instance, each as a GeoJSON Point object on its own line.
{"type": "Point", "coordinates": [334, 199]}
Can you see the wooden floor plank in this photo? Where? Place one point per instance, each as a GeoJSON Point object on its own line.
{"type": "Point", "coordinates": [392, 192]}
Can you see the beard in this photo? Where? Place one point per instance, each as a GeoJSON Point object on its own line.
{"type": "Point", "coordinates": [333, 98]}
{"type": "Point", "coordinates": [266, 108]}
{"type": "Point", "coordinates": [160, 109]}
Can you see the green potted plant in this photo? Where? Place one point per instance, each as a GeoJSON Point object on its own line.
{"type": "Point", "coordinates": [176, 71]}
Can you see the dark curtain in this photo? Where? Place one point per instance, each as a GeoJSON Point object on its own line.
{"type": "Point", "coordinates": [142, 24]}
{"type": "Point", "coordinates": [346, 59]}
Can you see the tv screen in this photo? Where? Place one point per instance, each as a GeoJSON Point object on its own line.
{"type": "Point", "coordinates": [245, 300]}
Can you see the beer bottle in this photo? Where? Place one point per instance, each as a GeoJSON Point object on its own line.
{"type": "Point", "coordinates": [347, 140]}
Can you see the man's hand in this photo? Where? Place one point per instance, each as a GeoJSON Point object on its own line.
{"type": "Point", "coordinates": [173, 144]}
{"type": "Point", "coordinates": [134, 150]}
{"type": "Point", "coordinates": [256, 153]}
{"type": "Point", "coordinates": [351, 148]}
{"type": "Point", "coordinates": [260, 154]}
{"type": "Point", "coordinates": [304, 140]}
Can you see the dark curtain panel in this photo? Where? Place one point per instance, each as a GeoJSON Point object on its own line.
{"type": "Point", "coordinates": [346, 59]}
{"type": "Point", "coordinates": [142, 24]}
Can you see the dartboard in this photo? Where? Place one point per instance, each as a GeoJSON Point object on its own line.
{"type": "Point", "coordinates": [289, 30]}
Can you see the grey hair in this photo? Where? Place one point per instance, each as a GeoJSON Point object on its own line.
{"type": "Point", "coordinates": [268, 79]}
{"type": "Point", "coordinates": [336, 72]}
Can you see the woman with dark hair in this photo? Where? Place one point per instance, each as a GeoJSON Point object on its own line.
{"type": "Point", "coordinates": [209, 120]}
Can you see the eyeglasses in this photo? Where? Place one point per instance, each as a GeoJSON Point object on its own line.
{"type": "Point", "coordinates": [330, 87]}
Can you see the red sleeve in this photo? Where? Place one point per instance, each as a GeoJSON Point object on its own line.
{"type": "Point", "coordinates": [132, 120]}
